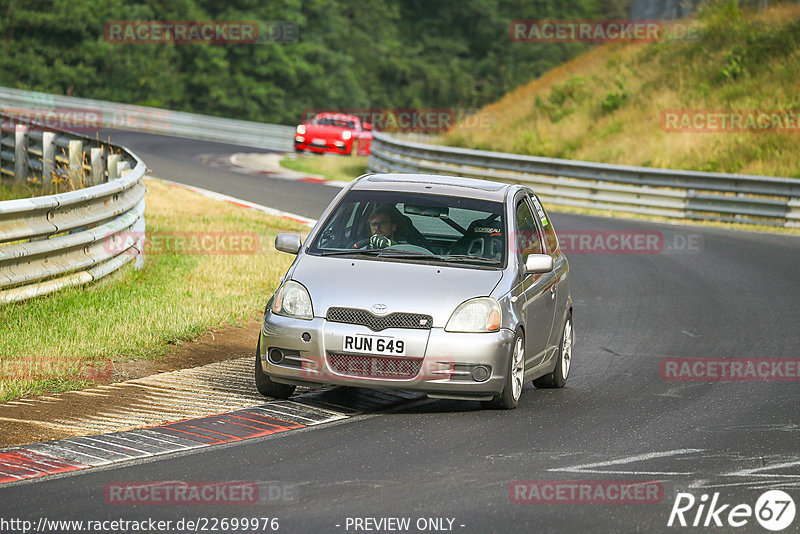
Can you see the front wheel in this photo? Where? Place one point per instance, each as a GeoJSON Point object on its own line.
{"type": "Point", "coordinates": [267, 387]}
{"type": "Point", "coordinates": [515, 375]}
{"type": "Point", "coordinates": [558, 377]}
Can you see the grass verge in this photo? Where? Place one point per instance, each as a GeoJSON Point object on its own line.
{"type": "Point", "coordinates": [69, 339]}
{"type": "Point", "coordinates": [608, 104]}
{"type": "Point", "coordinates": [13, 191]}
{"type": "Point", "coordinates": [331, 167]}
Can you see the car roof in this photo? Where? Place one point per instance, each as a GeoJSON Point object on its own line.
{"type": "Point", "coordinates": [434, 184]}
{"type": "Point", "coordinates": [338, 116]}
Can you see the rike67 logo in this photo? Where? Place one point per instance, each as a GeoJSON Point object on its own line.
{"type": "Point", "coordinates": [774, 510]}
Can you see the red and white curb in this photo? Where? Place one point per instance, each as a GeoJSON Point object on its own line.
{"type": "Point", "coordinates": [264, 165]}
{"type": "Point", "coordinates": [77, 453]}
{"type": "Point", "coordinates": [73, 454]}
{"type": "Point", "coordinates": [239, 202]}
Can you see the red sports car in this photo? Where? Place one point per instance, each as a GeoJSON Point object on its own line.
{"type": "Point", "coordinates": [335, 133]}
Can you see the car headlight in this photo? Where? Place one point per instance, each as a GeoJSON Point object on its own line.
{"type": "Point", "coordinates": [301, 129]}
{"type": "Point", "coordinates": [347, 134]}
{"type": "Point", "coordinates": [475, 315]}
{"type": "Point", "coordinates": [293, 300]}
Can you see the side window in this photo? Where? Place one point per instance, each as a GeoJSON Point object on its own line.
{"type": "Point", "coordinates": [550, 238]}
{"type": "Point", "coordinates": [528, 241]}
{"type": "Point", "coordinates": [338, 228]}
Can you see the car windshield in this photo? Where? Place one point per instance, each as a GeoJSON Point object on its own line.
{"type": "Point", "coordinates": [415, 227]}
{"type": "Point", "coordinates": [330, 121]}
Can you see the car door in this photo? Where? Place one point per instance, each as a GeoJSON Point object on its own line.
{"type": "Point", "coordinates": [560, 287]}
{"type": "Point", "coordinates": [538, 289]}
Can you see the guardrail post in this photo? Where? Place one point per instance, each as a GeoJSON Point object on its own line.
{"type": "Point", "coordinates": [113, 160]}
{"type": "Point", "coordinates": [76, 162]}
{"type": "Point", "coordinates": [123, 168]}
{"type": "Point", "coordinates": [20, 153]}
{"type": "Point", "coordinates": [3, 127]}
{"type": "Point", "coordinates": [48, 158]}
{"type": "Point", "coordinates": [687, 213]}
{"type": "Point", "coordinates": [738, 216]}
{"type": "Point", "coordinates": [139, 230]}
{"type": "Point", "coordinates": [98, 166]}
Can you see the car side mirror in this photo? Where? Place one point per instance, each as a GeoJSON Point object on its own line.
{"type": "Point", "coordinates": [288, 243]}
{"type": "Point", "coordinates": [539, 263]}
{"type": "Point", "coordinates": [367, 126]}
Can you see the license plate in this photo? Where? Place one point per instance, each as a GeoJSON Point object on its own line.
{"type": "Point", "coordinates": [318, 142]}
{"type": "Point", "coordinates": [388, 346]}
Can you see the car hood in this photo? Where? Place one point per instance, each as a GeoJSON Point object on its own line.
{"type": "Point", "coordinates": [434, 290]}
{"type": "Point", "coordinates": [324, 130]}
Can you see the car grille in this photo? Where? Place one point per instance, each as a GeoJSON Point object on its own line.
{"type": "Point", "coordinates": [374, 367]}
{"type": "Point", "coordinates": [376, 323]}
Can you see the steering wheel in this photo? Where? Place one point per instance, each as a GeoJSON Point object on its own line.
{"type": "Point", "coordinates": [362, 243]}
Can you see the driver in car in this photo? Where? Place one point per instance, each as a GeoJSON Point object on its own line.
{"type": "Point", "coordinates": [383, 227]}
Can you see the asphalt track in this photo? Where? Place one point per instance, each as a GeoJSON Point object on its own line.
{"type": "Point", "coordinates": [725, 294]}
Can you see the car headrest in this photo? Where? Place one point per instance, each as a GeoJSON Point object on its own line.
{"type": "Point", "coordinates": [484, 237]}
{"type": "Point", "coordinates": [488, 227]}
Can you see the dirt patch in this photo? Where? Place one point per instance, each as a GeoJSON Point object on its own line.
{"type": "Point", "coordinates": [213, 346]}
{"type": "Point", "coordinates": [28, 423]}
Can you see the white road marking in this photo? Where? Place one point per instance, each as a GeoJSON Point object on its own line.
{"type": "Point", "coordinates": [757, 471]}
{"type": "Point", "coordinates": [590, 468]}
{"type": "Point", "coordinates": [635, 458]}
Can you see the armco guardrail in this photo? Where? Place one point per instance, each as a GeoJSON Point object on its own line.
{"type": "Point", "coordinates": [51, 242]}
{"type": "Point", "coordinates": [154, 120]}
{"type": "Point", "coordinates": [676, 194]}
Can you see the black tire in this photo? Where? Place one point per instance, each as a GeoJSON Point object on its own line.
{"type": "Point", "coordinates": [559, 376]}
{"type": "Point", "coordinates": [508, 399]}
{"type": "Point", "coordinates": [267, 387]}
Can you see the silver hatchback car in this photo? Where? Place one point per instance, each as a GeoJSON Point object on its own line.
{"type": "Point", "coordinates": [451, 286]}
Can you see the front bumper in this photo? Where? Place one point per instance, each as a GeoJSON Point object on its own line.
{"type": "Point", "coordinates": [330, 147]}
{"type": "Point", "coordinates": [443, 361]}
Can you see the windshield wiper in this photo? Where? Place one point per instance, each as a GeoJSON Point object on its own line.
{"type": "Point", "coordinates": [447, 258]}
{"type": "Point", "coordinates": [367, 251]}
{"type": "Point", "coordinates": [379, 252]}
{"type": "Point", "coordinates": [411, 255]}
{"type": "Point", "coordinates": [465, 258]}
{"type": "Point", "coordinates": [405, 254]}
